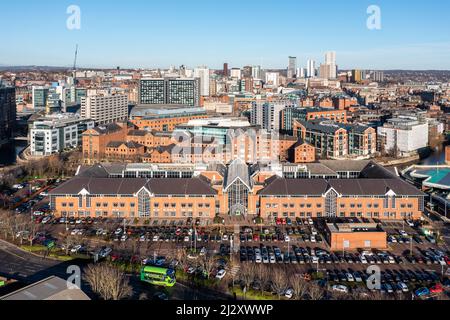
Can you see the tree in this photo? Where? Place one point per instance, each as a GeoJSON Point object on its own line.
{"type": "Point", "coordinates": [315, 292]}
{"type": "Point", "coordinates": [68, 241]}
{"type": "Point", "coordinates": [299, 286]}
{"type": "Point", "coordinates": [263, 274]}
{"type": "Point", "coordinates": [279, 281]}
{"type": "Point", "coordinates": [108, 282]}
{"type": "Point", "coordinates": [247, 274]}
{"type": "Point", "coordinates": [208, 263]}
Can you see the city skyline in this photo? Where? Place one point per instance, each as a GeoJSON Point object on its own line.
{"type": "Point", "coordinates": [209, 34]}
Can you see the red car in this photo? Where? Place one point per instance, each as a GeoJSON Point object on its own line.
{"type": "Point", "coordinates": [447, 261]}
{"type": "Point", "coordinates": [256, 237]}
{"type": "Point", "coordinates": [437, 289]}
{"type": "Point", "coordinates": [279, 221]}
{"type": "Point", "coordinates": [283, 221]}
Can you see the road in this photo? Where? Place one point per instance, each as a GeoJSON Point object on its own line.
{"type": "Point", "coordinates": [28, 268]}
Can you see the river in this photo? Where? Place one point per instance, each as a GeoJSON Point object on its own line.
{"type": "Point", "coordinates": [437, 157]}
{"type": "Point", "coordinates": [9, 152]}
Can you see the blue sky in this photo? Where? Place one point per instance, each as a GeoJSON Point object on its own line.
{"type": "Point", "coordinates": [159, 33]}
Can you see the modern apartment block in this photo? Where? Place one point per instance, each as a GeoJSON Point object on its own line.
{"type": "Point", "coordinates": [306, 114]}
{"type": "Point", "coordinates": [403, 135]}
{"type": "Point", "coordinates": [236, 189]}
{"type": "Point", "coordinates": [104, 109]}
{"type": "Point", "coordinates": [7, 113]}
{"type": "Point", "coordinates": [337, 141]}
{"type": "Point", "coordinates": [268, 115]}
{"type": "Point", "coordinates": [57, 132]}
{"type": "Point", "coordinates": [170, 91]}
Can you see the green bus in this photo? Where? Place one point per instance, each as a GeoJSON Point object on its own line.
{"type": "Point", "coordinates": [157, 276]}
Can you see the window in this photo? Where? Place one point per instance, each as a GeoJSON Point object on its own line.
{"type": "Point", "coordinates": [368, 244]}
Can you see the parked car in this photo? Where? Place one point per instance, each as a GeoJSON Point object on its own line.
{"type": "Point", "coordinates": [221, 274]}
{"type": "Point", "coordinates": [340, 288]}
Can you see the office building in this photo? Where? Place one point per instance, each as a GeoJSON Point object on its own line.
{"type": "Point", "coordinates": [57, 132]}
{"type": "Point", "coordinates": [236, 189]}
{"type": "Point", "coordinates": [292, 67]}
{"type": "Point", "coordinates": [170, 91]}
{"type": "Point", "coordinates": [105, 109]}
{"type": "Point", "coordinates": [7, 113]}
{"type": "Point", "coordinates": [225, 70]}
{"type": "Point", "coordinates": [39, 96]}
{"type": "Point", "coordinates": [164, 119]}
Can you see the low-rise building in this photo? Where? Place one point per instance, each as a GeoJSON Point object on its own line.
{"type": "Point", "coordinates": [236, 189]}
{"type": "Point", "coordinates": [353, 236]}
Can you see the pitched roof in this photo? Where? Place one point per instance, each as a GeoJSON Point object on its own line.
{"type": "Point", "coordinates": [376, 187]}
{"type": "Point", "coordinates": [355, 187]}
{"type": "Point", "coordinates": [128, 186]}
{"type": "Point", "coordinates": [295, 187]}
{"type": "Point", "coordinates": [52, 288]}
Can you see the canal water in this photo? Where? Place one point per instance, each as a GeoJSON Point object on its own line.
{"type": "Point", "coordinates": [9, 152]}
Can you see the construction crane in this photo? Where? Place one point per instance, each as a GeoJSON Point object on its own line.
{"type": "Point", "coordinates": [75, 66]}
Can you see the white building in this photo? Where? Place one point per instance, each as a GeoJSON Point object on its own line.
{"type": "Point", "coordinates": [236, 73]}
{"type": "Point", "coordinates": [267, 115]}
{"type": "Point", "coordinates": [203, 74]}
{"type": "Point", "coordinates": [404, 134]}
{"type": "Point", "coordinates": [104, 109]}
{"type": "Point", "coordinates": [311, 69]}
{"type": "Point", "coordinates": [273, 79]}
{"type": "Point", "coordinates": [57, 132]}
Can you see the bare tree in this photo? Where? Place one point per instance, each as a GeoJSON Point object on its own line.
{"type": "Point", "coordinates": [315, 292]}
{"type": "Point", "coordinates": [299, 286]}
{"type": "Point", "coordinates": [247, 275]}
{"type": "Point", "coordinates": [263, 274]}
{"type": "Point", "coordinates": [208, 263]}
{"type": "Point", "coordinates": [279, 281]}
{"type": "Point", "coordinates": [108, 282]}
{"type": "Point", "coordinates": [68, 241]}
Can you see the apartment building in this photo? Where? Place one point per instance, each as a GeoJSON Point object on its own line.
{"type": "Point", "coordinates": [95, 140]}
{"type": "Point", "coordinates": [308, 114]}
{"type": "Point", "coordinates": [104, 109]}
{"type": "Point", "coordinates": [336, 141]}
{"type": "Point", "coordinates": [403, 135]}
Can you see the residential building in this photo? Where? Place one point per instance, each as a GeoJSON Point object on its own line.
{"type": "Point", "coordinates": [335, 140]}
{"type": "Point", "coordinates": [104, 109]}
{"type": "Point", "coordinates": [292, 67]}
{"type": "Point", "coordinates": [403, 135]}
{"type": "Point", "coordinates": [203, 74]}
